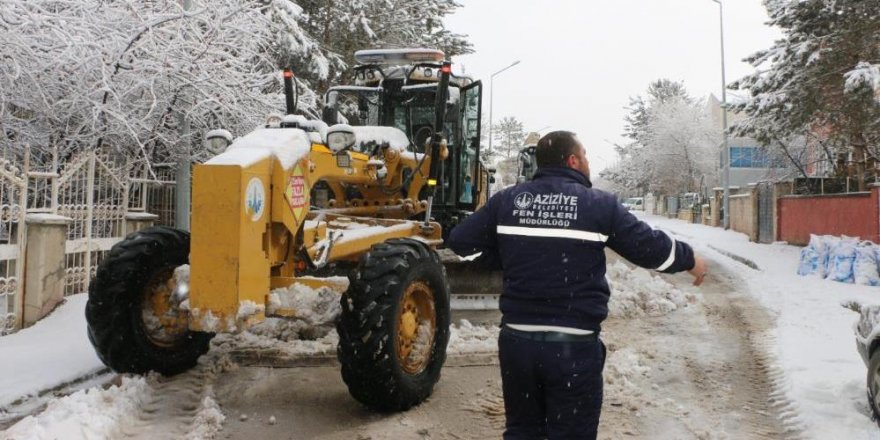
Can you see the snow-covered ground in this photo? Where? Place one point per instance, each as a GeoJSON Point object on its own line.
{"type": "Point", "coordinates": [49, 354]}
{"type": "Point", "coordinates": [56, 351]}
{"type": "Point", "coordinates": [813, 339]}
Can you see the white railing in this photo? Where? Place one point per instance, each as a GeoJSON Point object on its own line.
{"type": "Point", "coordinates": [13, 203]}
{"type": "Point", "coordinates": [96, 191]}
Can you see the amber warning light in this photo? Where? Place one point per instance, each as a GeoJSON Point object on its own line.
{"type": "Point", "coordinates": [288, 73]}
{"type": "Point", "coordinates": [446, 68]}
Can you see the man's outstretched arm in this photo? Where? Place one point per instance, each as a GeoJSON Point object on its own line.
{"type": "Point", "coordinates": [477, 234]}
{"type": "Point", "coordinates": [644, 246]}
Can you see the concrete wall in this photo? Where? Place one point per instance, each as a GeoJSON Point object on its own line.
{"type": "Point", "coordinates": [686, 215]}
{"type": "Point", "coordinates": [650, 203]}
{"type": "Point", "coordinates": [854, 214]}
{"type": "Point", "coordinates": [45, 260]}
{"type": "Point", "coordinates": [744, 214]}
{"type": "Point", "coordinates": [44, 265]}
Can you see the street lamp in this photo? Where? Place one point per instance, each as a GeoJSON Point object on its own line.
{"type": "Point", "coordinates": [491, 93]}
{"type": "Point", "coordinates": [725, 150]}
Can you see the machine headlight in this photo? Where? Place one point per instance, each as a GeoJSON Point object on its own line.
{"type": "Point", "coordinates": [273, 121]}
{"type": "Point", "coordinates": [216, 141]}
{"type": "Point", "coordinates": [340, 137]}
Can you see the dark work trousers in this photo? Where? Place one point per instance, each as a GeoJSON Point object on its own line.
{"type": "Point", "coordinates": [551, 389]}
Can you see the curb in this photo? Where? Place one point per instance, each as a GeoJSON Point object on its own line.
{"type": "Point", "coordinates": [735, 257]}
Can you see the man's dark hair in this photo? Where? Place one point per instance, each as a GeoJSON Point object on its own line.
{"type": "Point", "coordinates": [555, 147]}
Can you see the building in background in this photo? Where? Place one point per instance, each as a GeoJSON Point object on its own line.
{"type": "Point", "coordinates": [750, 162]}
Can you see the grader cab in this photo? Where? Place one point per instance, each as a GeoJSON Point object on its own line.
{"type": "Point", "coordinates": [280, 205]}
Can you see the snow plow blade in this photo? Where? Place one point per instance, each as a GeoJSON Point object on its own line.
{"type": "Point", "coordinates": [473, 288]}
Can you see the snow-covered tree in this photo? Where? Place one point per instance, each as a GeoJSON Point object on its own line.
{"type": "Point", "coordinates": [343, 27]}
{"type": "Point", "coordinates": [125, 74]}
{"type": "Point", "coordinates": [406, 23]}
{"type": "Point", "coordinates": [821, 80]}
{"type": "Point", "coordinates": [508, 136]}
{"type": "Point", "coordinates": [673, 144]}
{"type": "Point", "coordinates": [681, 146]}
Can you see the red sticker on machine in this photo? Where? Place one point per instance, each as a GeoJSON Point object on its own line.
{"type": "Point", "coordinates": [297, 192]}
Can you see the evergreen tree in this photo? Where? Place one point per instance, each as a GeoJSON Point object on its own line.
{"type": "Point", "coordinates": [821, 79]}
{"type": "Point", "coordinates": [343, 27]}
{"type": "Point", "coordinates": [509, 136]}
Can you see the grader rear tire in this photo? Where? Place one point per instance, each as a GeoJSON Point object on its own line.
{"type": "Point", "coordinates": [394, 325]}
{"type": "Point", "coordinates": [132, 282]}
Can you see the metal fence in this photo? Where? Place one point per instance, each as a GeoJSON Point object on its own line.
{"type": "Point", "coordinates": [96, 190]}
{"type": "Point", "coordinates": [153, 189]}
{"type": "Point", "coordinates": [766, 217]}
{"type": "Point", "coordinates": [13, 200]}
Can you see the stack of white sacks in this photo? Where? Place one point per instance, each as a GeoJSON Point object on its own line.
{"type": "Point", "coordinates": [844, 259]}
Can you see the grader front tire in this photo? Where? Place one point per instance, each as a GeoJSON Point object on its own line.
{"type": "Point", "coordinates": [135, 278]}
{"type": "Point", "coordinates": [394, 325]}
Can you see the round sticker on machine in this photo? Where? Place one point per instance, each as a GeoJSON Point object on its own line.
{"type": "Point", "coordinates": [255, 199]}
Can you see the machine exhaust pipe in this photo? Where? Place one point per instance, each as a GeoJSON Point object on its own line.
{"type": "Point", "coordinates": [290, 95]}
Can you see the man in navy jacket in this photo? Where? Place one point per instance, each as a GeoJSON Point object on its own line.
{"type": "Point", "coordinates": [549, 236]}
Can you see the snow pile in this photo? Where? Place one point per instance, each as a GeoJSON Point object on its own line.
{"type": "Point", "coordinates": [209, 322]}
{"type": "Point", "coordinates": [314, 306]}
{"type": "Point", "coordinates": [296, 338]}
{"type": "Point", "coordinates": [208, 421]}
{"type": "Point", "coordinates": [467, 338]}
{"type": "Point", "coordinates": [637, 292]}
{"type": "Point", "coordinates": [247, 309]}
{"type": "Point", "coordinates": [287, 145]}
{"type": "Point", "coordinates": [392, 136]}
{"type": "Point", "coordinates": [88, 414]}
{"type": "Point", "coordinates": [623, 368]}
{"type": "Point", "coordinates": [52, 352]}
{"type": "Point", "coordinates": [289, 337]}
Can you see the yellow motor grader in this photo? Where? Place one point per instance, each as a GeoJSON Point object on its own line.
{"type": "Point", "coordinates": [277, 208]}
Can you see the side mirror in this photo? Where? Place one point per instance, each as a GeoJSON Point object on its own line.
{"type": "Point", "coordinates": [330, 115]}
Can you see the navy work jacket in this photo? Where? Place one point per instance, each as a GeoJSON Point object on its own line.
{"type": "Point", "coordinates": [549, 237]}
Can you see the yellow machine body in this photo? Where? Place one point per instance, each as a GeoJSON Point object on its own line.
{"type": "Point", "coordinates": [251, 224]}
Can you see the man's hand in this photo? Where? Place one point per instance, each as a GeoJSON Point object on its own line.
{"type": "Point", "coordinates": [699, 271]}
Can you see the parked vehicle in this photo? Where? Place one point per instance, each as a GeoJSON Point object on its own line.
{"type": "Point", "coordinates": [634, 204]}
{"type": "Point", "coordinates": [867, 331]}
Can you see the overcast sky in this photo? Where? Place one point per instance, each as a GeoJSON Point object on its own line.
{"type": "Point", "coordinates": [582, 59]}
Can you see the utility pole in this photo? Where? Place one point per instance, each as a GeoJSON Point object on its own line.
{"type": "Point", "coordinates": [183, 179]}
{"type": "Point", "coordinates": [725, 148]}
{"type": "Point", "coordinates": [491, 100]}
